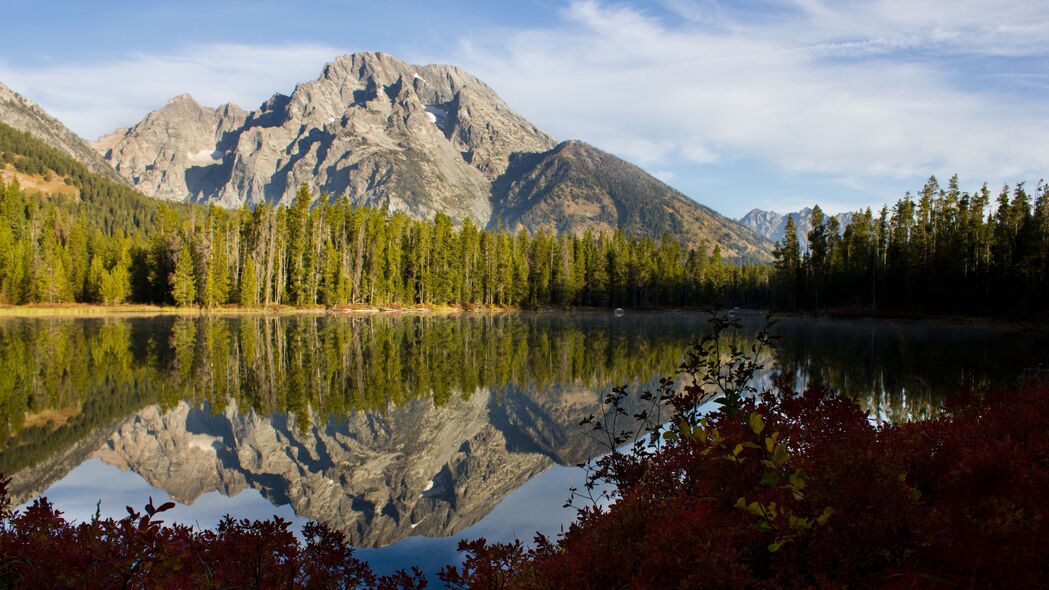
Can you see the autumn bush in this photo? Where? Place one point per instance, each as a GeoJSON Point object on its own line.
{"type": "Point", "coordinates": [785, 490]}
{"type": "Point", "coordinates": [41, 549]}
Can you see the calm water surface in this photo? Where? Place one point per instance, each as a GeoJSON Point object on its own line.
{"type": "Point", "coordinates": [406, 432]}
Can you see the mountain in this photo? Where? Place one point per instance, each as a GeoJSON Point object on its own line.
{"type": "Point", "coordinates": [772, 225]}
{"type": "Point", "coordinates": [417, 139]}
{"type": "Point", "coordinates": [576, 187]}
{"type": "Point", "coordinates": [183, 135]}
{"type": "Point", "coordinates": [385, 133]}
{"type": "Point", "coordinates": [25, 115]}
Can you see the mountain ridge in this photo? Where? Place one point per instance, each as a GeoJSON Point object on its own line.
{"type": "Point", "coordinates": [416, 139]}
{"type": "Point", "coordinates": [772, 225]}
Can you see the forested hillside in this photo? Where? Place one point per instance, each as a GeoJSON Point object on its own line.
{"type": "Point", "coordinates": [942, 251]}
{"type": "Point", "coordinates": [115, 245]}
{"type": "Point", "coordinates": [108, 206]}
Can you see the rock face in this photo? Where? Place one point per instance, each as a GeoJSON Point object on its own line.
{"type": "Point", "coordinates": [372, 127]}
{"type": "Point", "coordinates": [25, 115]}
{"type": "Point", "coordinates": [417, 469]}
{"type": "Point", "coordinates": [180, 136]}
{"type": "Point", "coordinates": [418, 139]}
{"type": "Point", "coordinates": [772, 225]}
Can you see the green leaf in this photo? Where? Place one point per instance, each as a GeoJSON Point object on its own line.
{"type": "Point", "coordinates": [757, 424]}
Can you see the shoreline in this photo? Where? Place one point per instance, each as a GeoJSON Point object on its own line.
{"type": "Point", "coordinates": [90, 310]}
{"type": "Point", "coordinates": [138, 310]}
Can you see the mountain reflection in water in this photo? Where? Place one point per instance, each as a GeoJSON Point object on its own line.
{"type": "Point", "coordinates": [394, 426]}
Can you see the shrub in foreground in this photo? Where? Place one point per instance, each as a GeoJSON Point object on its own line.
{"type": "Point", "coordinates": [803, 491]}
{"type": "Point", "coordinates": [40, 549]}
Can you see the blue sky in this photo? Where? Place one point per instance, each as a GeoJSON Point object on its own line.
{"type": "Point", "coordinates": [775, 104]}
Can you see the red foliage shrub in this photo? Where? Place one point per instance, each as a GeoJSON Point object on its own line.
{"type": "Point", "coordinates": [40, 549]}
{"type": "Point", "coordinates": [804, 492]}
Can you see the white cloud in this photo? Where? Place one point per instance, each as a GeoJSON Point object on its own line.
{"type": "Point", "coordinates": [95, 98]}
{"type": "Point", "coordinates": [698, 152]}
{"type": "Point", "coordinates": [859, 91]}
{"type": "Point", "coordinates": [854, 94]}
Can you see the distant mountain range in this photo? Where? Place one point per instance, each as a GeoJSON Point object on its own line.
{"type": "Point", "coordinates": [384, 133]}
{"type": "Point", "coordinates": [772, 225]}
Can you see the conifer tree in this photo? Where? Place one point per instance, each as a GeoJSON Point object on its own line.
{"type": "Point", "coordinates": [183, 287]}
{"type": "Point", "coordinates": [818, 256]}
{"type": "Point", "coordinates": [116, 281]}
{"type": "Point", "coordinates": [331, 276]}
{"type": "Point", "coordinates": [248, 295]}
{"type": "Point", "coordinates": [788, 263]}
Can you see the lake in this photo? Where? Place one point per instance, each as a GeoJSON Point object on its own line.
{"type": "Point", "coordinates": [408, 432]}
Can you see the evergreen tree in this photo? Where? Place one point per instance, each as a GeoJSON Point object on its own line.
{"type": "Point", "coordinates": [249, 291]}
{"type": "Point", "coordinates": [818, 256]}
{"type": "Point", "coordinates": [183, 287]}
{"type": "Point", "coordinates": [788, 263]}
{"type": "Point", "coordinates": [297, 225]}
{"type": "Point", "coordinates": [95, 278]}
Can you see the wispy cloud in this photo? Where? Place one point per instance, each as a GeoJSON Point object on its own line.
{"type": "Point", "coordinates": [94, 98]}
{"type": "Point", "coordinates": [865, 90]}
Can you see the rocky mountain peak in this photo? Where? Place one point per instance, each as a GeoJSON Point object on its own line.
{"type": "Point", "coordinates": [365, 65]}
{"type": "Point", "coordinates": [184, 98]}
{"type": "Point", "coordinates": [182, 135]}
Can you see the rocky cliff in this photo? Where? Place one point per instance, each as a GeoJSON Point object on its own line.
{"type": "Point", "coordinates": [372, 127]}
{"type": "Point", "coordinates": [182, 135]}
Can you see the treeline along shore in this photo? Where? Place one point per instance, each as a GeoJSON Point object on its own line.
{"type": "Point", "coordinates": [947, 251]}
